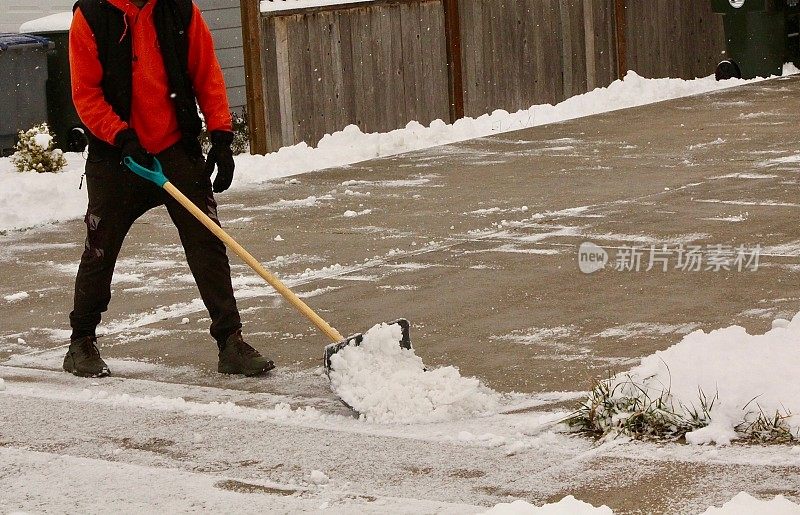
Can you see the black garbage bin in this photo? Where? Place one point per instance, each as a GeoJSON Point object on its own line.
{"type": "Point", "coordinates": [760, 36]}
{"type": "Point", "coordinates": [61, 115]}
{"type": "Point", "coordinates": [23, 74]}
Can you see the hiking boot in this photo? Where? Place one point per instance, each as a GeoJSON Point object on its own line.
{"type": "Point", "coordinates": [237, 357]}
{"type": "Point", "coordinates": [83, 358]}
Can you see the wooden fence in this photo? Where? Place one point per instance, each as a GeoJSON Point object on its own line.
{"type": "Point", "coordinates": [379, 64]}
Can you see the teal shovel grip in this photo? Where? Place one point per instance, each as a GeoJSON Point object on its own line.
{"type": "Point", "coordinates": [156, 175]}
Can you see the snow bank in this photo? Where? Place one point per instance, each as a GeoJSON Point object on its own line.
{"type": "Point", "coordinates": [388, 384]}
{"type": "Point", "coordinates": [566, 506]}
{"type": "Point", "coordinates": [744, 504]}
{"type": "Point", "coordinates": [32, 199]}
{"type": "Point", "coordinates": [24, 195]}
{"type": "Point", "coordinates": [351, 145]}
{"type": "Point", "coordinates": [740, 375]}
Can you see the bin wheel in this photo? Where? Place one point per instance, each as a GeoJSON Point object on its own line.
{"type": "Point", "coordinates": [728, 69]}
{"type": "Point", "coordinates": [77, 140]}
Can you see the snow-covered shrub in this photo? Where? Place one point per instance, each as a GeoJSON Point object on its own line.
{"type": "Point", "coordinates": [36, 152]}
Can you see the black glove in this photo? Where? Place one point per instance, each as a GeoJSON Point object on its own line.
{"type": "Point", "coordinates": [221, 156]}
{"type": "Point", "coordinates": [128, 142]}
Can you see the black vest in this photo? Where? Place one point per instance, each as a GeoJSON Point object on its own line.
{"type": "Point", "coordinates": [113, 38]}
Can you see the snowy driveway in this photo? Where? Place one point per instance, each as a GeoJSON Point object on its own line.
{"type": "Point", "coordinates": [475, 243]}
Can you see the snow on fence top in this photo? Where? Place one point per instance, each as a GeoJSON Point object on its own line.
{"type": "Point", "coordinates": [288, 5]}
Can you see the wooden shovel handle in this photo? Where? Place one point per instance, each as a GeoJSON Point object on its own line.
{"type": "Point", "coordinates": [273, 281]}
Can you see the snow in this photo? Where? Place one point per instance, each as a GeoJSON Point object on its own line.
{"type": "Point", "coordinates": [780, 322]}
{"type": "Point", "coordinates": [54, 23]}
{"type": "Point", "coordinates": [299, 203]}
{"type": "Point", "coordinates": [281, 412]}
{"type": "Point", "coordinates": [389, 385]}
{"type": "Point", "coordinates": [2, 384]}
{"type": "Point", "coordinates": [352, 214]}
{"type": "Point", "coordinates": [745, 504]}
{"type": "Point", "coordinates": [43, 140]}
{"type": "Point", "coordinates": [318, 477]}
{"type": "Point", "coordinates": [14, 297]}
{"type": "Point", "coordinates": [285, 5]}
{"type": "Point", "coordinates": [44, 481]}
{"type": "Point", "coordinates": [26, 195]}
{"type": "Point", "coordinates": [22, 193]}
{"type": "Point", "coordinates": [741, 504]}
{"type": "Point", "coordinates": [748, 373]}
{"type": "Point", "coordinates": [567, 506]}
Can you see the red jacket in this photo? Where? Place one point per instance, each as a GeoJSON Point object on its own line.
{"type": "Point", "coordinates": [153, 114]}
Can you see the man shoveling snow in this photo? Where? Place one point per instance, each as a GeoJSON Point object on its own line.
{"type": "Point", "coordinates": [139, 68]}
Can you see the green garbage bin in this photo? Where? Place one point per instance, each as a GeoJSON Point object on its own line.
{"type": "Point", "coordinates": [61, 114]}
{"type": "Point", "coordinates": [760, 36]}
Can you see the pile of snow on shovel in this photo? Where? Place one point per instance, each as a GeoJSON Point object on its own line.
{"type": "Point", "coordinates": [387, 384]}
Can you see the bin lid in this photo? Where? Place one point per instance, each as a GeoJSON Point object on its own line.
{"type": "Point", "coordinates": [59, 22]}
{"type": "Point", "coordinates": [8, 40]}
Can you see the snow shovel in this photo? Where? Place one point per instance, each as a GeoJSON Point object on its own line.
{"type": "Point", "coordinates": [156, 175]}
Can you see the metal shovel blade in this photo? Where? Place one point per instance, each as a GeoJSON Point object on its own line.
{"type": "Point", "coordinates": [356, 340]}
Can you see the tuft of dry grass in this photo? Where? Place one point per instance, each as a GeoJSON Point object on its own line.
{"type": "Point", "coordinates": [625, 407]}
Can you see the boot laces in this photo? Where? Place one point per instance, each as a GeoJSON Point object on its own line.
{"type": "Point", "coordinates": [245, 349]}
{"type": "Point", "coordinates": [88, 347]}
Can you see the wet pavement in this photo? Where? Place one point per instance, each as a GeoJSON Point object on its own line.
{"type": "Point", "coordinates": [476, 243]}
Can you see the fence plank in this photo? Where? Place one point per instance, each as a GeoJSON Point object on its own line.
{"type": "Point", "coordinates": [452, 28]}
{"type": "Point", "coordinates": [426, 42]}
{"type": "Point", "coordinates": [284, 80]}
{"type": "Point", "coordinates": [347, 91]}
{"type": "Point", "coordinates": [566, 48]}
{"type": "Point", "coordinates": [252, 48]}
{"type": "Point", "coordinates": [409, 28]}
{"type": "Point", "coordinates": [395, 77]}
{"type": "Point", "coordinates": [337, 73]}
{"type": "Point", "coordinates": [436, 63]}
{"type": "Point", "coordinates": [605, 47]}
{"type": "Point", "coordinates": [300, 73]}
{"type": "Point", "coordinates": [379, 41]}
{"type": "Point", "coordinates": [620, 34]}
{"type": "Point", "coordinates": [552, 63]}
{"type": "Point", "coordinates": [368, 73]}
{"type": "Point", "coordinates": [588, 27]}
{"type": "Point", "coordinates": [359, 88]}
{"type": "Point", "coordinates": [271, 90]}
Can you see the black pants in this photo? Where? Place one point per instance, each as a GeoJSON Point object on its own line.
{"type": "Point", "coordinates": [117, 197]}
